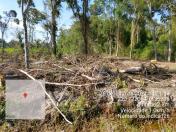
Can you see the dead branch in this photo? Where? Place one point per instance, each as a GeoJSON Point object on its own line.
{"type": "Point", "coordinates": [89, 78]}
{"type": "Point", "coordinates": [135, 80]}
{"type": "Point", "coordinates": [83, 75]}
{"type": "Point", "coordinates": [47, 96]}
{"type": "Point", "coordinates": [43, 70]}
{"type": "Point", "coordinates": [150, 80]}
{"type": "Point", "coordinates": [74, 85]}
{"type": "Point", "coordinates": [62, 94]}
{"type": "Point", "coordinates": [63, 68]}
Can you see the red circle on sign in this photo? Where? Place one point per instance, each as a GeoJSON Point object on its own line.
{"type": "Point", "coordinates": [25, 94]}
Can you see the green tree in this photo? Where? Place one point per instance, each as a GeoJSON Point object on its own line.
{"type": "Point", "coordinates": [4, 21]}
{"type": "Point", "coordinates": [153, 8]}
{"type": "Point", "coordinates": [25, 6]}
{"type": "Point", "coordinates": [54, 7]}
{"type": "Point", "coordinates": [34, 17]}
{"type": "Point", "coordinates": [80, 10]}
{"type": "Point", "coordinates": [167, 12]}
{"type": "Point", "coordinates": [70, 40]}
{"type": "Point", "coordinates": [138, 7]}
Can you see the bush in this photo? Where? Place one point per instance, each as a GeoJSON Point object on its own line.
{"type": "Point", "coordinates": [78, 106]}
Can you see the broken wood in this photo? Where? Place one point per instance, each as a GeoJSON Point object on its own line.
{"type": "Point", "coordinates": [150, 80]}
{"type": "Point", "coordinates": [135, 80]}
{"type": "Point", "coordinates": [83, 75]}
{"type": "Point", "coordinates": [131, 70]}
{"type": "Point", "coordinates": [74, 85]}
{"type": "Point", "coordinates": [89, 78]}
{"type": "Point", "coordinates": [147, 69]}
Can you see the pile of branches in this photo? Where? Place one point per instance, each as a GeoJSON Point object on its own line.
{"type": "Point", "coordinates": [149, 70]}
{"type": "Point", "coordinates": [70, 78]}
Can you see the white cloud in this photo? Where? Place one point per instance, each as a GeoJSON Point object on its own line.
{"type": "Point", "coordinates": [15, 25]}
{"type": "Point", "coordinates": [67, 26]}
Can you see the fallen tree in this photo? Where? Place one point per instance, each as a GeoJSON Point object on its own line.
{"type": "Point", "coordinates": [146, 69]}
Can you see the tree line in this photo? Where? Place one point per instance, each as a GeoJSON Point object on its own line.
{"type": "Point", "coordinates": [135, 28]}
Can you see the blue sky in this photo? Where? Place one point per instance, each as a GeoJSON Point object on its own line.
{"type": "Point", "coordinates": [6, 5]}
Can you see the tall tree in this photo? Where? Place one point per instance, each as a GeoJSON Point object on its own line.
{"type": "Point", "coordinates": [153, 8]}
{"type": "Point", "coordinates": [120, 14]}
{"type": "Point", "coordinates": [25, 6]}
{"type": "Point", "coordinates": [54, 12]}
{"type": "Point", "coordinates": [137, 15]}
{"type": "Point", "coordinates": [168, 9]}
{"type": "Point", "coordinates": [51, 25]}
{"type": "Point", "coordinates": [9, 15]}
{"type": "Point", "coordinates": [170, 4]}
{"type": "Point", "coordinates": [80, 9]}
{"type": "Point", "coordinates": [34, 17]}
{"type": "Point", "coordinates": [109, 9]}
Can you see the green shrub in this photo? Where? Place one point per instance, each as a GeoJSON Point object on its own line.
{"type": "Point", "coordinates": [120, 83]}
{"type": "Point", "coordinates": [145, 53]}
{"type": "Point", "coordinates": [78, 106]}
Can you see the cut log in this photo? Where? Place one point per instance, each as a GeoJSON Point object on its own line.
{"type": "Point", "coordinates": [131, 70]}
{"type": "Point", "coordinates": [171, 69]}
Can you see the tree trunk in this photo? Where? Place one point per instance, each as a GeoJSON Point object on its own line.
{"type": "Point", "coordinates": [85, 43]}
{"type": "Point", "coordinates": [118, 38]}
{"type": "Point", "coordinates": [2, 39]}
{"type": "Point", "coordinates": [169, 48]}
{"type": "Point", "coordinates": [132, 38]}
{"type": "Point", "coordinates": [85, 26]}
{"type": "Point", "coordinates": [53, 36]}
{"type": "Point", "coordinates": [138, 39]}
{"type": "Point", "coordinates": [26, 50]}
{"type": "Point", "coordinates": [154, 41]}
{"type": "Point", "coordinates": [170, 37]}
{"type": "Point", "coordinates": [53, 27]}
{"type": "Point", "coordinates": [110, 46]}
{"type": "Point", "coordinates": [154, 30]}
{"type": "Point", "coordinates": [134, 34]}
{"type": "Point", "coordinates": [85, 35]}
{"type": "Point", "coordinates": [31, 33]}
